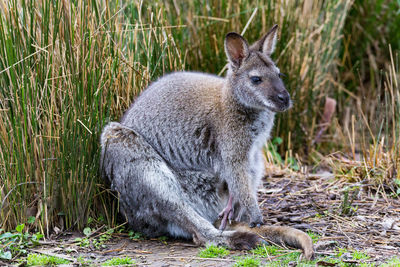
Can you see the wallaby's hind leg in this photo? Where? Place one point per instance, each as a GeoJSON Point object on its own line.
{"type": "Point", "coordinates": [151, 196]}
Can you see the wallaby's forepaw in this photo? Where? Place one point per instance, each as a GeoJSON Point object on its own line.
{"type": "Point", "coordinates": [256, 220]}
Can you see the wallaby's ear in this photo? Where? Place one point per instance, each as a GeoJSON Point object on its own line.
{"type": "Point", "coordinates": [266, 44]}
{"type": "Point", "coordinates": [236, 49]}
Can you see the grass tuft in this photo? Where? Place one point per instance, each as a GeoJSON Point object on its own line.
{"type": "Point", "coordinates": [374, 158]}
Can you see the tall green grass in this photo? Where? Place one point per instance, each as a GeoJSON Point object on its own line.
{"type": "Point", "coordinates": [68, 67]}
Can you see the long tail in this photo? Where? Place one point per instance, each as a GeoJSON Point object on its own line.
{"type": "Point", "coordinates": [280, 235]}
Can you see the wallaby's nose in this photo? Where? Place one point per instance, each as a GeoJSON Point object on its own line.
{"type": "Point", "coordinates": [283, 98]}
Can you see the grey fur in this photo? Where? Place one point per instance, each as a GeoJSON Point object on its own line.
{"type": "Point", "coordinates": [190, 140]}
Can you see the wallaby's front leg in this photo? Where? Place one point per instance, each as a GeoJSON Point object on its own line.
{"type": "Point", "coordinates": [240, 190]}
{"type": "Point", "coordinates": [227, 213]}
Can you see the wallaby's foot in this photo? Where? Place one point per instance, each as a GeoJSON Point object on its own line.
{"type": "Point", "coordinates": [226, 214]}
{"type": "Point", "coordinates": [279, 235]}
{"type": "Point", "coordinates": [283, 235]}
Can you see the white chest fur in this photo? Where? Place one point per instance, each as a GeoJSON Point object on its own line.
{"type": "Point", "coordinates": [256, 161]}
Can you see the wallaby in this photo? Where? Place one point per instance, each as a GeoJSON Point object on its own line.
{"type": "Point", "coordinates": [186, 157]}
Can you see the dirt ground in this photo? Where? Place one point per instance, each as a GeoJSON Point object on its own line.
{"type": "Point", "coordinates": [350, 216]}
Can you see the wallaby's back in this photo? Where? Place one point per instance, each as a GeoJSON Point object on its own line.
{"type": "Point", "coordinates": [178, 116]}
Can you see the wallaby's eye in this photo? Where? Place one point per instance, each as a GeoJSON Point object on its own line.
{"type": "Point", "coordinates": [281, 75]}
{"type": "Point", "coordinates": [255, 79]}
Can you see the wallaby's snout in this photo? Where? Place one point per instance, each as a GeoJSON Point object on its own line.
{"type": "Point", "coordinates": [280, 97]}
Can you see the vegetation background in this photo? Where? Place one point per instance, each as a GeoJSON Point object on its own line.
{"type": "Point", "coordinates": [69, 67]}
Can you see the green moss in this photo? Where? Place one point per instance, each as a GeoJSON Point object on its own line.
{"type": "Point", "coordinates": [395, 261]}
{"type": "Point", "coordinates": [290, 257]}
{"type": "Point", "coordinates": [213, 252]}
{"type": "Point", "coordinates": [44, 260]}
{"type": "Point", "coordinates": [367, 265]}
{"type": "Point", "coordinates": [119, 261]}
{"type": "Point", "coordinates": [265, 251]}
{"type": "Point", "coordinates": [83, 261]}
{"type": "Point", "coordinates": [358, 255]}
{"type": "Point", "coordinates": [314, 236]}
{"type": "Point", "coordinates": [247, 262]}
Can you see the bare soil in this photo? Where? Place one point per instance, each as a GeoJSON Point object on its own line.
{"type": "Point", "coordinates": [367, 221]}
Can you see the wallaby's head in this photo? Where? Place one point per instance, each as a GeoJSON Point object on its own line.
{"type": "Point", "coordinates": [253, 76]}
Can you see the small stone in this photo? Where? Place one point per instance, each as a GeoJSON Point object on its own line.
{"type": "Point", "coordinates": [388, 223]}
